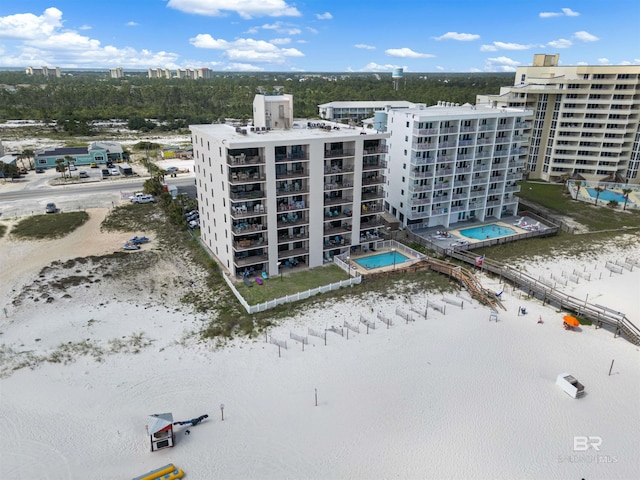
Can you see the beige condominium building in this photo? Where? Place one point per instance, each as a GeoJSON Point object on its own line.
{"type": "Point", "coordinates": [585, 119]}
{"type": "Point", "coordinates": [287, 194]}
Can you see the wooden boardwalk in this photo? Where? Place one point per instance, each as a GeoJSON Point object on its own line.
{"type": "Point", "coordinates": [599, 315]}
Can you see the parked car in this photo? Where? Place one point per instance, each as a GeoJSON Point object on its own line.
{"type": "Point", "coordinates": [172, 169]}
{"type": "Point", "coordinates": [105, 173]}
{"type": "Point", "coordinates": [72, 167]}
{"type": "Point", "coordinates": [142, 198]}
{"type": "Point", "coordinates": [50, 208]}
{"type": "Point", "coordinates": [114, 171]}
{"type": "Point", "coordinates": [39, 170]}
{"type": "Point", "coordinates": [83, 174]}
{"type": "Point", "coordinates": [93, 165]}
{"type": "Point", "coordinates": [194, 224]}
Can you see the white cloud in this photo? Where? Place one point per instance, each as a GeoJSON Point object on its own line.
{"type": "Point", "coordinates": [243, 67]}
{"type": "Point", "coordinates": [245, 8]}
{"type": "Point", "coordinates": [475, 70]}
{"type": "Point", "coordinates": [324, 16]}
{"type": "Point", "coordinates": [27, 26]}
{"type": "Point", "coordinates": [246, 49]}
{"type": "Point", "coordinates": [603, 61]}
{"type": "Point", "coordinates": [569, 13]}
{"type": "Point", "coordinates": [438, 67]}
{"type": "Point", "coordinates": [85, 27]}
{"type": "Point", "coordinates": [374, 67]}
{"type": "Point", "coordinates": [565, 11]}
{"type": "Point", "coordinates": [488, 48]}
{"type": "Point", "coordinates": [364, 46]}
{"type": "Point", "coordinates": [560, 43]}
{"type": "Point", "coordinates": [406, 53]}
{"type": "Point", "coordinates": [280, 41]}
{"type": "Point", "coordinates": [585, 36]}
{"type": "Point", "coordinates": [582, 63]}
{"type": "Point", "coordinates": [282, 28]}
{"type": "Point", "coordinates": [512, 46]}
{"type": "Point", "coordinates": [132, 24]}
{"type": "Point", "coordinates": [461, 37]}
{"type": "Point", "coordinates": [501, 64]}
{"type": "Point", "coordinates": [312, 30]}
{"type": "Point", "coordinates": [45, 42]}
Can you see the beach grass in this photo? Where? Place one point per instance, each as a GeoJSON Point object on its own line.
{"type": "Point", "coordinates": [3, 230]}
{"type": "Point", "coordinates": [557, 199]}
{"type": "Point", "coordinates": [40, 227]}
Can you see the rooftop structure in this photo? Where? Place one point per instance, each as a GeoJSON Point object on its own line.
{"type": "Point", "coordinates": [340, 111]}
{"type": "Point", "coordinates": [586, 119]}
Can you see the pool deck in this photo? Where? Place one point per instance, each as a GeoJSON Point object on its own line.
{"type": "Point", "coordinates": [453, 238]}
{"type": "Point", "coordinates": [412, 255]}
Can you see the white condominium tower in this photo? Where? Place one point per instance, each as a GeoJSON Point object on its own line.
{"type": "Point", "coordinates": [586, 119]}
{"type": "Point", "coordinates": [285, 193]}
{"type": "Point", "coordinates": [450, 163]}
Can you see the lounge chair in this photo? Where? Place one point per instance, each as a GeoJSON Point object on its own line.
{"type": "Point", "coordinates": [519, 221]}
{"type": "Point", "coordinates": [264, 275]}
{"type": "Point", "coordinates": [258, 280]}
{"type": "Point", "coordinates": [247, 282]}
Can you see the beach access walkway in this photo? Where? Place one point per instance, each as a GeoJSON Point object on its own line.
{"type": "Point", "coordinates": [600, 316]}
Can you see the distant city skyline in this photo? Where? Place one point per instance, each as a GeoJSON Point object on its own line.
{"type": "Point", "coordinates": [313, 36]}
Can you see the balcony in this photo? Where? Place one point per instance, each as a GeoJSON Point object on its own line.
{"type": "Point", "coordinates": [374, 180]}
{"type": "Point", "coordinates": [291, 219]}
{"type": "Point", "coordinates": [250, 260]}
{"type": "Point", "coordinates": [416, 202]}
{"type": "Point", "coordinates": [337, 169]}
{"type": "Point", "coordinates": [378, 193]}
{"type": "Point", "coordinates": [240, 178]}
{"type": "Point", "coordinates": [461, 183]}
{"type": "Point", "coordinates": [242, 159]}
{"type": "Point", "coordinates": [444, 145]}
{"type": "Point", "coordinates": [290, 174]}
{"type": "Point", "coordinates": [292, 156]}
{"type": "Point", "coordinates": [461, 170]}
{"type": "Point", "coordinates": [483, 167]}
{"type": "Point", "coordinates": [294, 237]}
{"type": "Point", "coordinates": [421, 146]}
{"type": "Point", "coordinates": [339, 153]}
{"type": "Point", "coordinates": [425, 131]}
{"type": "Point", "coordinates": [484, 141]}
{"type": "Point", "coordinates": [247, 244]}
{"type": "Point", "coordinates": [417, 162]}
{"type": "Point", "coordinates": [479, 181]}
{"type": "Point", "coordinates": [330, 229]}
{"type": "Point", "coordinates": [416, 175]}
{"type": "Point", "coordinates": [242, 211]}
{"type": "Point", "coordinates": [367, 166]}
{"type": "Point", "coordinates": [292, 206]}
{"type": "Point", "coordinates": [518, 151]}
{"type": "Point", "coordinates": [294, 188]}
{"type": "Point", "coordinates": [493, 203]}
{"type": "Point", "coordinates": [420, 188]}
{"type": "Point", "coordinates": [246, 228]}
{"type": "Point", "coordinates": [444, 130]}
{"type": "Point", "coordinates": [337, 200]}
{"type": "Point", "coordinates": [337, 186]}
{"type": "Point", "coordinates": [246, 195]}
{"type": "Point", "coordinates": [293, 252]}
{"type": "Point", "coordinates": [376, 150]}
{"type": "Point", "coordinates": [512, 189]}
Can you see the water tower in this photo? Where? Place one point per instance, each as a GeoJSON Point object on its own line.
{"type": "Point", "coordinates": [396, 75]}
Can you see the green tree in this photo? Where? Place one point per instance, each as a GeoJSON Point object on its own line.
{"type": "Point", "coordinates": [598, 190]}
{"type": "Point", "coordinates": [60, 166]}
{"type": "Point", "coordinates": [626, 192]}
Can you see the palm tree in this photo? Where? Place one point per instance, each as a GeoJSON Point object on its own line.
{"type": "Point", "coordinates": [626, 192]}
{"type": "Point", "coordinates": [60, 166]}
{"type": "Point", "coordinates": [577, 184]}
{"type": "Point", "coordinates": [598, 191]}
{"type": "Point", "coordinates": [29, 155]}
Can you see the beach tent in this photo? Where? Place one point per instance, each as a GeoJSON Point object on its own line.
{"type": "Point", "coordinates": [160, 430]}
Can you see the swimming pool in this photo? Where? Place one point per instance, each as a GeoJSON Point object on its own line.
{"type": "Point", "coordinates": [382, 260]}
{"type": "Point", "coordinates": [606, 195]}
{"type": "Point", "coordinates": [485, 232]}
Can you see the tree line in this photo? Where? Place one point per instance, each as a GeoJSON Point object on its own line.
{"type": "Point", "coordinates": [73, 101]}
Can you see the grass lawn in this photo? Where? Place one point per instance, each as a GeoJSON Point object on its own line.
{"type": "Point", "coordinates": [289, 283]}
{"type": "Point", "coordinates": [600, 217]}
{"type": "Point", "coordinates": [49, 226]}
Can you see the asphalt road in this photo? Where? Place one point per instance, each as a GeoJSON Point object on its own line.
{"type": "Point", "coordinates": [30, 194]}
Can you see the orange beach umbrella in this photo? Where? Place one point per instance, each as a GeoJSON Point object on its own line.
{"type": "Point", "coordinates": [569, 320]}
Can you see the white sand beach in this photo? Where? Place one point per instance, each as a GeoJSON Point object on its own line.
{"type": "Point", "coordinates": [450, 396]}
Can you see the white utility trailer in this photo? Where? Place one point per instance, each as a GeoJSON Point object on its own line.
{"type": "Point", "coordinates": [570, 385]}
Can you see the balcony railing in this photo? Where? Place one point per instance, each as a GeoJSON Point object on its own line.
{"type": "Point", "coordinates": [250, 260]}
{"type": "Point", "coordinates": [241, 211]}
{"type": "Point", "coordinates": [417, 175]}
{"type": "Point", "coordinates": [291, 174]}
{"type": "Point", "coordinates": [376, 150]}
{"type": "Point", "coordinates": [291, 219]}
{"type": "Point", "coordinates": [423, 161]}
{"type": "Point", "coordinates": [292, 189]}
{"type": "Point", "coordinates": [242, 178]}
{"type": "Point", "coordinates": [337, 200]}
{"type": "Point", "coordinates": [416, 202]}
{"type": "Point", "coordinates": [238, 160]}
{"type": "Point", "coordinates": [339, 153]}
{"type": "Point", "coordinates": [250, 195]}
{"type": "Point", "coordinates": [374, 180]}
{"type": "Point", "coordinates": [366, 166]}
{"type": "Point", "coordinates": [246, 244]}
{"type": "Point", "coordinates": [292, 157]}
{"type": "Point", "coordinates": [246, 228]}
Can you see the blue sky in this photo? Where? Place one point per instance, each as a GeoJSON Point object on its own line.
{"type": "Point", "coordinates": [328, 36]}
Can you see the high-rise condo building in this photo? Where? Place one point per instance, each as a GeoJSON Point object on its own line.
{"type": "Point", "coordinates": [586, 119]}
{"type": "Point", "coordinates": [450, 163]}
{"type": "Point", "coordinates": [282, 193]}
